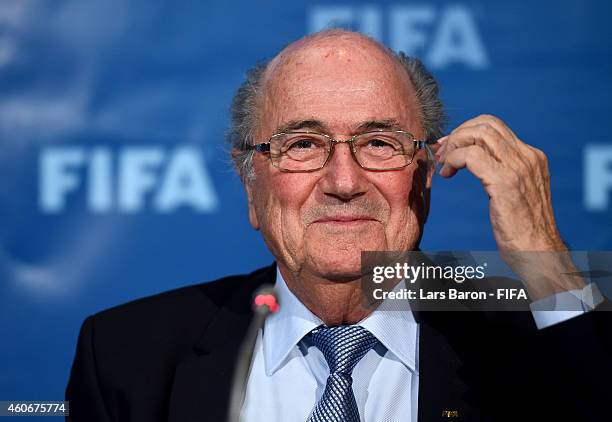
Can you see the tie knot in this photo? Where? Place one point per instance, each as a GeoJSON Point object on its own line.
{"type": "Point", "coordinates": [343, 346]}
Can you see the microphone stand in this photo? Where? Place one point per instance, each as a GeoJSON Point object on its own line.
{"type": "Point", "coordinates": [265, 303]}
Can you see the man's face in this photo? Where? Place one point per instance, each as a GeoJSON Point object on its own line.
{"type": "Point", "coordinates": [319, 222]}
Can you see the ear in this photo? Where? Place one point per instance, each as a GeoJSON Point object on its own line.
{"type": "Point", "coordinates": [247, 186]}
{"type": "Point", "coordinates": [423, 180]}
{"type": "Point", "coordinates": [432, 163]}
{"type": "Point", "coordinates": [431, 169]}
{"type": "Point", "coordinates": [252, 214]}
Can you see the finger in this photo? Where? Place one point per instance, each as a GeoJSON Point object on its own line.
{"type": "Point", "coordinates": [489, 122]}
{"type": "Point", "coordinates": [493, 121]}
{"type": "Point", "coordinates": [440, 152]}
{"type": "Point", "coordinates": [483, 136]}
{"type": "Point", "coordinates": [475, 159]}
{"type": "Point", "coordinates": [435, 147]}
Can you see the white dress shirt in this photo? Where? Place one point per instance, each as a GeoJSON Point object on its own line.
{"type": "Point", "coordinates": [288, 373]}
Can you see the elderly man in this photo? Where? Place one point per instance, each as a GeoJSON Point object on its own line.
{"type": "Point", "coordinates": [333, 140]}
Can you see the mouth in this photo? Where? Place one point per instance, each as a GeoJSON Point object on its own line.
{"type": "Point", "coordinates": [345, 220]}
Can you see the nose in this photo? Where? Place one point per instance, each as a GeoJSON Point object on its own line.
{"type": "Point", "coordinates": [343, 178]}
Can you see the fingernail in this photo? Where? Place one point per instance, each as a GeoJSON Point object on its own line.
{"type": "Point", "coordinates": [442, 171]}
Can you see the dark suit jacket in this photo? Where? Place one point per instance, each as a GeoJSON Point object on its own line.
{"type": "Point", "coordinates": [171, 357]}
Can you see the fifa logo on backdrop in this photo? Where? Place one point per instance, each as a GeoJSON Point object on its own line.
{"type": "Point", "coordinates": [597, 167]}
{"type": "Point", "coordinates": [126, 180]}
{"type": "Point", "coordinates": [440, 36]}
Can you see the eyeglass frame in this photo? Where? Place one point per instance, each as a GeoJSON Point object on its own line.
{"type": "Point", "coordinates": [264, 147]}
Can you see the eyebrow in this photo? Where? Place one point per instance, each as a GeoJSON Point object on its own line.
{"type": "Point", "coordinates": [387, 124]}
{"type": "Point", "coordinates": [319, 126]}
{"type": "Point", "coordinates": [292, 125]}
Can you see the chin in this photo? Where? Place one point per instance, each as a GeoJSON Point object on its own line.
{"type": "Point", "coordinates": [337, 266]}
{"type": "Point", "coordinates": [338, 257]}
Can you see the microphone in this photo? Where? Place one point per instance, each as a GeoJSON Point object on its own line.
{"type": "Point", "coordinates": [265, 302]}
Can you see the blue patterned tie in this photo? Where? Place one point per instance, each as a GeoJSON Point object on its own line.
{"type": "Point", "coordinates": [343, 346]}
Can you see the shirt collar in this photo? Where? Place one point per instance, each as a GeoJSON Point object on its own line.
{"type": "Point", "coordinates": [284, 329]}
{"type": "Point", "coordinates": [392, 323]}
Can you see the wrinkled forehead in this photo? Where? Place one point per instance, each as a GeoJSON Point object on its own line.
{"type": "Point", "coordinates": [347, 49]}
{"type": "Point", "coordinates": [335, 59]}
{"type": "Point", "coordinates": [349, 78]}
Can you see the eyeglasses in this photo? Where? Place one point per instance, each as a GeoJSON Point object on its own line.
{"type": "Point", "coordinates": [381, 150]}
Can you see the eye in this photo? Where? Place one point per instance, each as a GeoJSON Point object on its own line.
{"type": "Point", "coordinates": [379, 143]}
{"type": "Point", "coordinates": [302, 144]}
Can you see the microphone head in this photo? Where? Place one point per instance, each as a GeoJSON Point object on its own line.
{"type": "Point", "coordinates": [265, 300]}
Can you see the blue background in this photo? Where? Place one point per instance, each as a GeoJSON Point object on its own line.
{"type": "Point", "coordinates": [109, 74]}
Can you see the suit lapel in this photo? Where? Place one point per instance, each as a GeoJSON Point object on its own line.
{"type": "Point", "coordinates": [202, 381]}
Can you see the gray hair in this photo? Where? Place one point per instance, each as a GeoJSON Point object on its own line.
{"type": "Point", "coordinates": [244, 109]}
